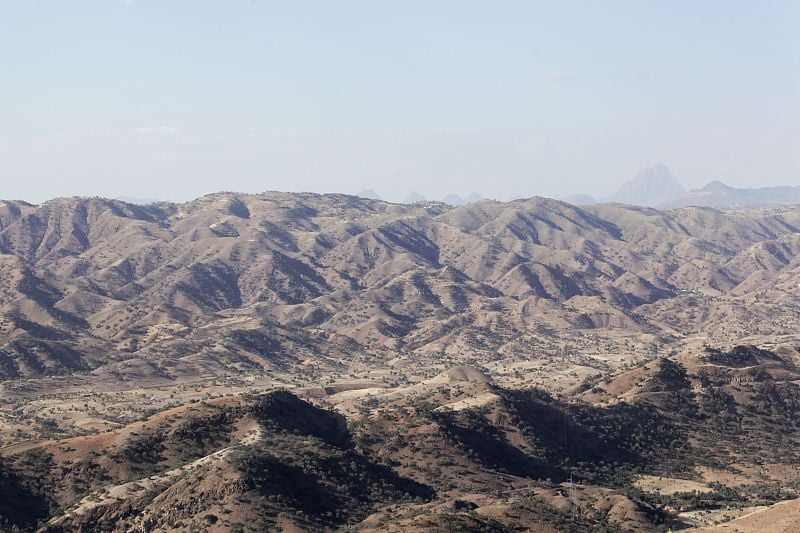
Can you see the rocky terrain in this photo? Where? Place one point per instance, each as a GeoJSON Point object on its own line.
{"type": "Point", "coordinates": [476, 367]}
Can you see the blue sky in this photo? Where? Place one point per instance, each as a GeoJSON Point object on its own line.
{"type": "Point", "coordinates": [177, 98]}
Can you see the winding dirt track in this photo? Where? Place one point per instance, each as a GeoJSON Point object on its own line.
{"type": "Point", "coordinates": [783, 517]}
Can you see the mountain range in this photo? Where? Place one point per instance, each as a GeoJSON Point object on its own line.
{"type": "Point", "coordinates": [314, 362]}
{"type": "Point", "coordinates": [92, 278]}
{"type": "Point", "coordinates": [717, 194]}
{"type": "Point", "coordinates": [656, 186]}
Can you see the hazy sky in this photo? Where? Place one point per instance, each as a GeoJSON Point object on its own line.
{"type": "Point", "coordinates": [177, 98]}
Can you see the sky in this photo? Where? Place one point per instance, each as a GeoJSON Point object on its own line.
{"type": "Point", "coordinates": [173, 99]}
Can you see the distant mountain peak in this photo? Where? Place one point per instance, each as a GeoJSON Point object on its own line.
{"type": "Point", "coordinates": [453, 199]}
{"type": "Point", "coordinates": [369, 194]}
{"type": "Point", "coordinates": [652, 186]}
{"type": "Point", "coordinates": [473, 197]}
{"type": "Point", "coordinates": [579, 199]}
{"type": "Point", "coordinates": [717, 186]}
{"type": "Point", "coordinates": [413, 198]}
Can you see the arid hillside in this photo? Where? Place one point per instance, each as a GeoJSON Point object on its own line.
{"type": "Point", "coordinates": [235, 281]}
{"type": "Point", "coordinates": [314, 362]}
{"type": "Point", "coordinates": [456, 452]}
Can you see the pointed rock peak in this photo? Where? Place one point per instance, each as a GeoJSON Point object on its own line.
{"type": "Point", "coordinates": [413, 198]}
{"type": "Point", "coordinates": [370, 194]}
{"type": "Point", "coordinates": [717, 186]}
{"type": "Point", "coordinates": [453, 199]}
{"type": "Point", "coordinates": [473, 197]}
{"type": "Point", "coordinates": [652, 186]}
{"type": "Point", "coordinates": [657, 174]}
